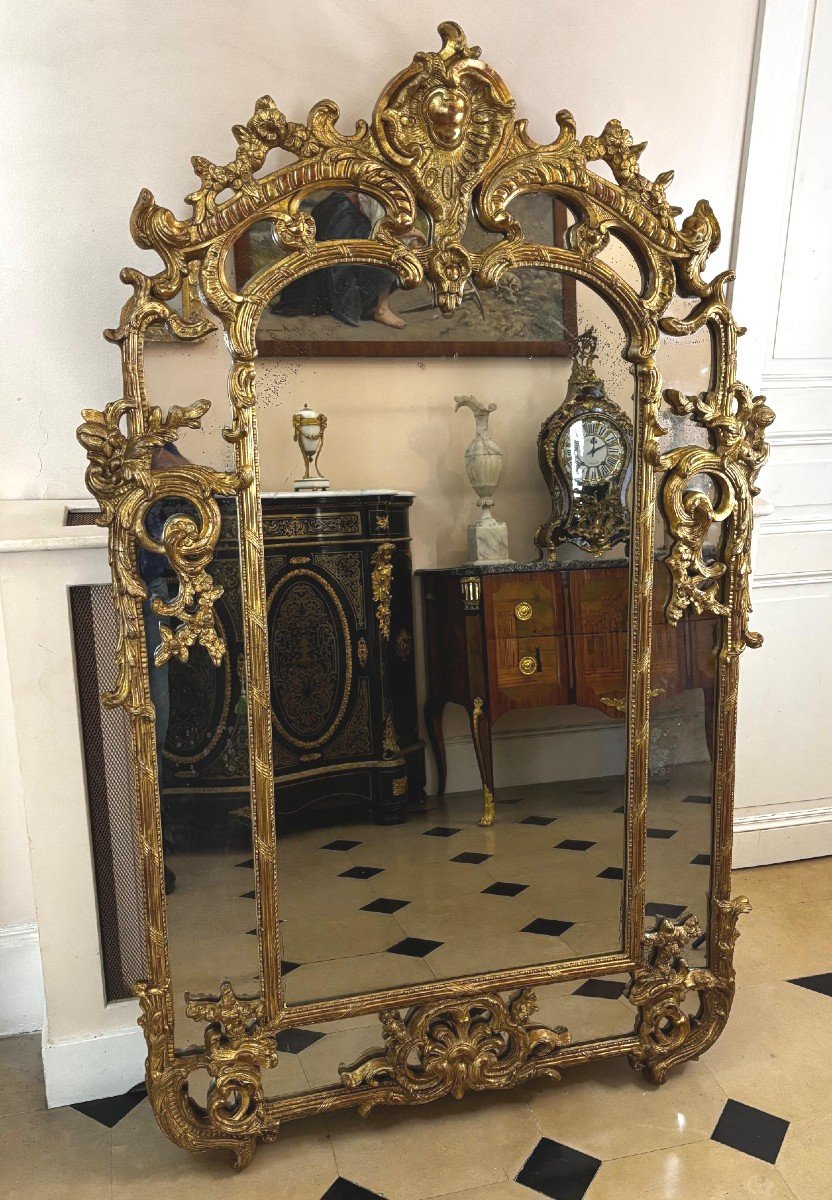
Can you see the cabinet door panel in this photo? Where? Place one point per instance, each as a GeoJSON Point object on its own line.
{"type": "Point", "coordinates": [311, 651]}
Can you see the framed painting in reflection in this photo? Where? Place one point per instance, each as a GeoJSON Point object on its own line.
{"type": "Point", "coordinates": [359, 310]}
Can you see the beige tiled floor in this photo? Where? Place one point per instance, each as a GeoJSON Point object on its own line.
{"type": "Point", "coordinates": [339, 947]}
{"type": "Point", "coordinates": [652, 1143]}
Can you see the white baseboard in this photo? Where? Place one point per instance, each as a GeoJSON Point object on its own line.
{"type": "Point", "coordinates": [782, 834]}
{"type": "Point", "coordinates": [21, 980]}
{"type": "Point", "coordinates": [94, 1067]}
{"type": "Point", "coordinates": [587, 750]}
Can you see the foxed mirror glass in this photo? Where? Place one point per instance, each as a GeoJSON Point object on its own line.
{"type": "Point", "coordinates": [431, 650]}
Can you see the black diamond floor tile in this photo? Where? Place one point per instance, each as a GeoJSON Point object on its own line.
{"type": "Point", "coordinates": [504, 889]}
{"type": "Point", "coordinates": [659, 909]}
{"type": "Point", "coordinates": [441, 831]}
{"type": "Point", "coordinates": [558, 1171]}
{"type": "Point", "coordinates": [112, 1109]}
{"type": "Point", "coordinates": [701, 860]}
{"type": "Point", "coordinates": [360, 873]}
{"type": "Point", "coordinates": [345, 1189]}
{"type": "Point", "coordinates": [251, 932]}
{"type": "Point", "coordinates": [696, 799]}
{"type": "Point", "coordinates": [287, 967]}
{"type": "Point", "coordinates": [537, 821]}
{"type": "Point", "coordinates": [248, 863]}
{"type": "Point", "coordinates": [510, 799]}
{"type": "Point", "coordinates": [293, 1041]}
{"type": "Point", "coordinates": [816, 983]}
{"type": "Point", "coordinates": [247, 896]}
{"type": "Point", "coordinates": [653, 832]}
{"type": "Point", "coordinates": [700, 941]}
{"type": "Point", "coordinates": [548, 927]}
{"type": "Point", "coordinates": [341, 844]}
{"type": "Point", "coordinates": [468, 856]}
{"type": "Point", "coordinates": [384, 905]}
{"type": "Point", "coordinates": [611, 873]}
{"type": "Point", "coordinates": [414, 947]}
{"type": "Point", "coordinates": [620, 809]}
{"type": "Point", "coordinates": [573, 844]}
{"type": "Point", "coordinates": [601, 989]}
{"type": "Point", "coordinates": [750, 1130]}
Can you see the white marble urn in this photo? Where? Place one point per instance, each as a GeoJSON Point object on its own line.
{"type": "Point", "coordinates": [488, 538]}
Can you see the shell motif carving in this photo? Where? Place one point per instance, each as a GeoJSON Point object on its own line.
{"type": "Point", "coordinates": [443, 1049]}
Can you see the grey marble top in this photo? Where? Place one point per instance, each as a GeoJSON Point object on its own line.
{"type": "Point", "coordinates": [524, 568]}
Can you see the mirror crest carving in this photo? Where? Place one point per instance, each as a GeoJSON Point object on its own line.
{"type": "Point", "coordinates": [443, 138]}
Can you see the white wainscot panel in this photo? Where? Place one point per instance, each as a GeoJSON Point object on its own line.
{"type": "Point", "coordinates": [784, 751]}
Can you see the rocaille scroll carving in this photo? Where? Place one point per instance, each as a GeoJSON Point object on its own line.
{"type": "Point", "coordinates": [668, 1035]}
{"type": "Point", "coordinates": [442, 138]}
{"type": "Point", "coordinates": [121, 478]}
{"type": "Point", "coordinates": [443, 1049]}
{"type": "Point", "coordinates": [737, 422]}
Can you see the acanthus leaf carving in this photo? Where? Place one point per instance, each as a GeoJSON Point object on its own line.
{"type": "Point", "coordinates": [737, 427]}
{"type": "Point", "coordinates": [121, 477]}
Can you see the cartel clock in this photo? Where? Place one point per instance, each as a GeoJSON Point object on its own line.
{"type": "Point", "coordinates": [585, 450]}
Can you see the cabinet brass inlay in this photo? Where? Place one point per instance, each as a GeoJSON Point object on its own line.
{"type": "Point", "coordinates": [470, 593]}
{"type": "Point", "coordinates": [382, 584]}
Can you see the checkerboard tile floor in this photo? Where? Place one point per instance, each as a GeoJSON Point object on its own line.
{"type": "Point", "coordinates": [752, 1118]}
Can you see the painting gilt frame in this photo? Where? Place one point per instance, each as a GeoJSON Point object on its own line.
{"type": "Point", "coordinates": [443, 137]}
{"type": "Point", "coordinates": [323, 339]}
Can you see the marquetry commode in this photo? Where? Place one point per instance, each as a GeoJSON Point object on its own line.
{"type": "Point", "coordinates": [519, 635]}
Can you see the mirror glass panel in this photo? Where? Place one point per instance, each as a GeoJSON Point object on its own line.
{"type": "Point", "coordinates": [202, 743]}
{"type": "Point", "coordinates": [414, 688]}
{"type": "Point", "coordinates": [684, 681]}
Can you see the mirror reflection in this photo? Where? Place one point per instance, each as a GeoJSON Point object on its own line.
{"type": "Point", "coordinates": [351, 308]}
{"type": "Point", "coordinates": [447, 574]}
{"type": "Point", "coordinates": [202, 755]}
{"type": "Point", "coordinates": [684, 681]}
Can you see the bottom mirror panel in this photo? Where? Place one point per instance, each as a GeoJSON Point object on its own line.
{"type": "Point", "coordinates": [681, 782]}
{"type": "Point", "coordinates": [364, 907]}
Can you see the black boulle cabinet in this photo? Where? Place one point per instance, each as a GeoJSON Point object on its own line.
{"type": "Point", "coordinates": [340, 635]}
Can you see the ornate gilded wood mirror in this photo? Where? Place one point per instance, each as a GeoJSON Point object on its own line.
{"type": "Point", "coordinates": [422, 809]}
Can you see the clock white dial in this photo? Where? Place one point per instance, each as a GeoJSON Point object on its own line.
{"type": "Point", "coordinates": [593, 449]}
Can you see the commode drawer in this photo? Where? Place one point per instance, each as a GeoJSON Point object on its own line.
{"type": "Point", "coordinates": [523, 605]}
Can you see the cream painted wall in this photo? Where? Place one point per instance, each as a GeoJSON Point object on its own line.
{"type": "Point", "coordinates": [102, 98]}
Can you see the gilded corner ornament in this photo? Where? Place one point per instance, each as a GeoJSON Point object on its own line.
{"type": "Point", "coordinates": [668, 1032]}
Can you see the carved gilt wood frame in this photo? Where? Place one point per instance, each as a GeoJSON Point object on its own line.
{"type": "Point", "coordinates": [443, 136]}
